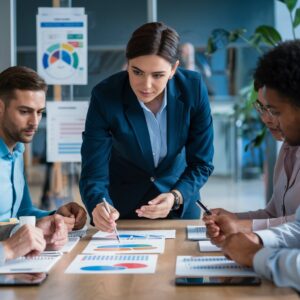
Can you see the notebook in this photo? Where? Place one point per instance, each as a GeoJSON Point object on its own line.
{"type": "Point", "coordinates": [210, 266]}
{"type": "Point", "coordinates": [196, 233]}
{"type": "Point", "coordinates": [37, 264]}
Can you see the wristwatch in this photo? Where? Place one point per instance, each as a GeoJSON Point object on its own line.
{"type": "Point", "coordinates": [176, 204]}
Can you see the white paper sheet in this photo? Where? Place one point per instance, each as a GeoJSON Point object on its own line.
{"type": "Point", "coordinates": [210, 266]}
{"type": "Point", "coordinates": [69, 246]}
{"type": "Point", "coordinates": [116, 264]}
{"type": "Point", "coordinates": [126, 246]}
{"type": "Point", "coordinates": [207, 246]}
{"type": "Point", "coordinates": [196, 233]}
{"type": "Point", "coordinates": [36, 264]}
{"type": "Point", "coordinates": [136, 234]}
{"type": "Point", "coordinates": [65, 124]}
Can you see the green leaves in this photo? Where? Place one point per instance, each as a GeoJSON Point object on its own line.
{"type": "Point", "coordinates": [289, 3]}
{"type": "Point", "coordinates": [265, 34]}
{"type": "Point", "coordinates": [220, 38]}
{"type": "Point", "coordinates": [296, 21]}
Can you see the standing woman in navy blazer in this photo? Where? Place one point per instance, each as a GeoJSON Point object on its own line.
{"type": "Point", "coordinates": [148, 140]}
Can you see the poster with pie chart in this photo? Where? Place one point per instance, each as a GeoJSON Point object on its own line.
{"type": "Point", "coordinates": [125, 246]}
{"type": "Point", "coordinates": [62, 45]}
{"type": "Point", "coordinates": [113, 264]}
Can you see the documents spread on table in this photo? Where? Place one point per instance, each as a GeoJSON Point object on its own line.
{"type": "Point", "coordinates": [120, 264]}
{"type": "Point", "coordinates": [210, 266]}
{"type": "Point", "coordinates": [136, 234]}
{"type": "Point", "coordinates": [126, 246]}
{"type": "Point", "coordinates": [35, 264]}
{"type": "Point", "coordinates": [207, 246]}
{"type": "Point", "coordinates": [104, 254]}
{"type": "Point", "coordinates": [196, 233]}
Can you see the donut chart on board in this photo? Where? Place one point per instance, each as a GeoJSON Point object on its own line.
{"type": "Point", "coordinates": [60, 60]}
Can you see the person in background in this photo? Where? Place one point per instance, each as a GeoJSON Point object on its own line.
{"type": "Point", "coordinates": [148, 140]}
{"type": "Point", "coordinates": [22, 102]}
{"type": "Point", "coordinates": [274, 253]}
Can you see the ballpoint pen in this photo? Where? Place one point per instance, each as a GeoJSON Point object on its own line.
{"type": "Point", "coordinates": [208, 212]}
{"type": "Point", "coordinates": [108, 210]}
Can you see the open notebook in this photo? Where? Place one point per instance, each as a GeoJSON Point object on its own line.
{"type": "Point", "coordinates": [36, 264]}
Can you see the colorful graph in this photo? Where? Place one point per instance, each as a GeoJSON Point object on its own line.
{"type": "Point", "coordinates": [121, 263]}
{"type": "Point", "coordinates": [133, 236]}
{"type": "Point", "coordinates": [134, 246]}
{"type": "Point", "coordinates": [60, 60]}
{"type": "Point", "coordinates": [124, 247]}
{"type": "Point", "coordinates": [136, 234]}
{"type": "Point", "coordinates": [117, 267]}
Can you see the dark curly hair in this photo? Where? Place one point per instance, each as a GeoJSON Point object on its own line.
{"type": "Point", "coordinates": [279, 69]}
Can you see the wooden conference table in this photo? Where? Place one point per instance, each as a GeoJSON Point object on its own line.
{"type": "Point", "coordinates": [157, 286]}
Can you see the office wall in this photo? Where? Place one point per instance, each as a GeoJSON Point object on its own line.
{"type": "Point", "coordinates": [110, 24]}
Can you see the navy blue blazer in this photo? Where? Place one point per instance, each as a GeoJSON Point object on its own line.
{"type": "Point", "coordinates": [117, 161]}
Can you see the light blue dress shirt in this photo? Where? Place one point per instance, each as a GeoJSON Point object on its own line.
{"type": "Point", "coordinates": [15, 199]}
{"type": "Point", "coordinates": [279, 260]}
{"type": "Point", "coordinates": [157, 128]}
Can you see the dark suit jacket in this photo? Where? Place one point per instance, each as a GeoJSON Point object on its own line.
{"type": "Point", "coordinates": [117, 161]}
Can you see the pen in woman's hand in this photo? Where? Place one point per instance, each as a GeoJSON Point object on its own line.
{"type": "Point", "coordinates": [108, 210]}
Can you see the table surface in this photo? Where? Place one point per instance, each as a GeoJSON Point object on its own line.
{"type": "Point", "coordinates": [159, 285]}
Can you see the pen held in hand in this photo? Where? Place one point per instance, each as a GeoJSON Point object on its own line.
{"type": "Point", "coordinates": [108, 210]}
{"type": "Point", "coordinates": [207, 211]}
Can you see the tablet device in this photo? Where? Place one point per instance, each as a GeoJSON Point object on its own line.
{"type": "Point", "coordinates": [22, 279]}
{"type": "Point", "coordinates": [207, 280]}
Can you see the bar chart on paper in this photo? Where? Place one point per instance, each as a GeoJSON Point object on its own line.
{"type": "Point", "coordinates": [120, 264]}
{"type": "Point", "coordinates": [210, 266]}
{"type": "Point", "coordinates": [132, 246]}
{"type": "Point", "coordinates": [136, 234]}
{"type": "Point", "coordinates": [65, 124]}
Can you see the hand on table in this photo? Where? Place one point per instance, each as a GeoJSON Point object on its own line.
{"type": "Point", "coordinates": [241, 247]}
{"type": "Point", "coordinates": [28, 240]}
{"type": "Point", "coordinates": [158, 207]}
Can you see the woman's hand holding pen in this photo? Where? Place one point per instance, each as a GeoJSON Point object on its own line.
{"type": "Point", "coordinates": [103, 220]}
{"type": "Point", "coordinates": [158, 207]}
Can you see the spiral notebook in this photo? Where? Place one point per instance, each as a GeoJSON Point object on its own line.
{"type": "Point", "coordinates": [36, 264]}
{"type": "Point", "coordinates": [210, 266]}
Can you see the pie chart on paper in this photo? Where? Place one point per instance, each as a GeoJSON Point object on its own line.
{"type": "Point", "coordinates": [60, 60]}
